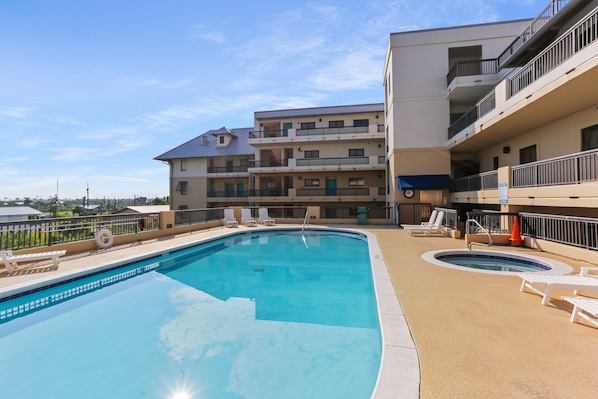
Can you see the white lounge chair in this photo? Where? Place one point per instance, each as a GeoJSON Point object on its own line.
{"type": "Point", "coordinates": [429, 222]}
{"type": "Point", "coordinates": [263, 217]}
{"type": "Point", "coordinates": [247, 219]}
{"type": "Point", "coordinates": [10, 260]}
{"type": "Point", "coordinates": [426, 229]}
{"type": "Point", "coordinates": [543, 284]}
{"type": "Point", "coordinates": [229, 218]}
{"type": "Point", "coordinates": [586, 308]}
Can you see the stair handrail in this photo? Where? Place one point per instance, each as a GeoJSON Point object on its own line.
{"type": "Point", "coordinates": [485, 230]}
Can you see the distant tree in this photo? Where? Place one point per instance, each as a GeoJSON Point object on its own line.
{"type": "Point", "coordinates": [27, 201]}
{"type": "Point", "coordinates": [78, 210]}
{"type": "Point", "coordinates": [160, 201]}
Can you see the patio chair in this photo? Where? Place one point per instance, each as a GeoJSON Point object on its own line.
{"type": "Point", "coordinates": [263, 217]}
{"type": "Point", "coordinates": [586, 308]}
{"type": "Point", "coordinates": [543, 284]}
{"type": "Point", "coordinates": [426, 229]}
{"type": "Point", "coordinates": [247, 219]}
{"type": "Point", "coordinates": [10, 260]}
{"type": "Point", "coordinates": [429, 222]}
{"type": "Point", "coordinates": [229, 218]}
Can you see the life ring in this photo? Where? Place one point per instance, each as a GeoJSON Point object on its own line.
{"type": "Point", "coordinates": [104, 238]}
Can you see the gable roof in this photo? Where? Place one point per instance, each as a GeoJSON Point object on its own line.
{"type": "Point", "coordinates": [19, 211]}
{"type": "Point", "coordinates": [206, 145]}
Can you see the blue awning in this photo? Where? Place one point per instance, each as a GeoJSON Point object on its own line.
{"type": "Point", "coordinates": [425, 182]}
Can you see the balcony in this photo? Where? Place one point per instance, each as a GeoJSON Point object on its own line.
{"type": "Point", "coordinates": [332, 161]}
{"type": "Point", "coordinates": [227, 194]}
{"type": "Point", "coordinates": [318, 133]}
{"type": "Point", "coordinates": [575, 40]}
{"type": "Point", "coordinates": [228, 169]}
{"type": "Point", "coordinates": [472, 68]}
{"type": "Point", "coordinates": [269, 163]}
{"type": "Point", "coordinates": [319, 194]}
{"type": "Point", "coordinates": [534, 37]}
{"type": "Point", "coordinates": [576, 168]}
{"type": "Point", "coordinates": [480, 181]}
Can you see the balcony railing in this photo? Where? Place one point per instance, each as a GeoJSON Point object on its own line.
{"type": "Point", "coordinates": [471, 68]}
{"type": "Point", "coordinates": [322, 131]}
{"type": "Point", "coordinates": [465, 120]}
{"type": "Point", "coordinates": [577, 38]}
{"type": "Point", "coordinates": [227, 194]}
{"type": "Point", "coordinates": [196, 216]}
{"type": "Point", "coordinates": [546, 15]}
{"type": "Point", "coordinates": [269, 163]}
{"type": "Point", "coordinates": [269, 192]}
{"type": "Point", "coordinates": [259, 134]}
{"type": "Point", "coordinates": [333, 161]}
{"type": "Point", "coordinates": [337, 192]}
{"type": "Point", "coordinates": [480, 181]}
{"type": "Point", "coordinates": [570, 169]}
{"type": "Point", "coordinates": [227, 169]}
{"type": "Point", "coordinates": [570, 230]}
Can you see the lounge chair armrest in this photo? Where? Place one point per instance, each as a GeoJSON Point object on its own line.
{"type": "Point", "coordinates": [585, 271]}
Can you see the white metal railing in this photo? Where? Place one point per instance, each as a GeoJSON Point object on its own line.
{"type": "Point", "coordinates": [570, 230]}
{"type": "Point", "coordinates": [571, 42]}
{"type": "Point", "coordinates": [468, 224]}
{"type": "Point", "coordinates": [480, 181]}
{"type": "Point", "coordinates": [546, 15]}
{"type": "Point", "coordinates": [569, 169]}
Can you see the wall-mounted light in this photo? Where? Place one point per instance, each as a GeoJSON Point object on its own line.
{"type": "Point", "coordinates": [376, 116]}
{"type": "Point", "coordinates": [299, 149]}
{"type": "Point", "coordinates": [320, 119]}
{"type": "Point", "coordinates": [506, 149]}
{"type": "Point", "coordinates": [299, 177]}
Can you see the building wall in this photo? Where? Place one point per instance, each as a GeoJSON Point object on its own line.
{"type": "Point", "coordinates": [558, 138]}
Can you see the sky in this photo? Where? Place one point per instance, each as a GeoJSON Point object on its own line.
{"type": "Point", "coordinates": [91, 91]}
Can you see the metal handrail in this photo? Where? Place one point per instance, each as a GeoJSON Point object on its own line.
{"type": "Point", "coordinates": [469, 244]}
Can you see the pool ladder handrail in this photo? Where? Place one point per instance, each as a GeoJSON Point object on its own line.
{"type": "Point", "coordinates": [303, 228]}
{"type": "Point", "coordinates": [485, 230]}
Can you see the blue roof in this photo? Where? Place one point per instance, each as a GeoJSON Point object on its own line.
{"type": "Point", "coordinates": [206, 145]}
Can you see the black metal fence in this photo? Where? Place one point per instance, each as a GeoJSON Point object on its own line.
{"type": "Point", "coordinates": [48, 232]}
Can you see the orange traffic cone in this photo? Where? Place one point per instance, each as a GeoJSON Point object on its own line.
{"type": "Point", "coordinates": [516, 234]}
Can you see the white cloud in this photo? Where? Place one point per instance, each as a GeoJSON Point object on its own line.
{"type": "Point", "coordinates": [201, 32]}
{"type": "Point", "coordinates": [16, 112]}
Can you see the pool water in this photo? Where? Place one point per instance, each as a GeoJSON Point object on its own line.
{"type": "Point", "coordinates": [260, 315]}
{"type": "Point", "coordinates": [493, 262]}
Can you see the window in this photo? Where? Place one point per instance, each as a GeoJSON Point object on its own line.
{"type": "Point", "coordinates": [183, 164]}
{"type": "Point", "coordinates": [527, 154]}
{"type": "Point", "coordinates": [311, 154]}
{"type": "Point", "coordinates": [270, 184]}
{"type": "Point", "coordinates": [336, 124]}
{"type": "Point", "coordinates": [181, 187]}
{"type": "Point", "coordinates": [356, 181]}
{"type": "Point", "coordinates": [356, 152]}
{"type": "Point", "coordinates": [589, 138]}
{"type": "Point", "coordinates": [182, 207]}
{"type": "Point", "coordinates": [361, 122]}
{"type": "Point", "coordinates": [311, 182]}
{"type": "Point", "coordinates": [495, 163]}
{"type": "Point", "coordinates": [308, 125]}
{"type": "Point", "coordinates": [221, 139]}
{"type": "Point", "coordinates": [244, 162]}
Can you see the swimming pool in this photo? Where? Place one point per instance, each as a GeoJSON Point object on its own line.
{"type": "Point", "coordinates": [495, 262]}
{"type": "Point", "coordinates": [254, 315]}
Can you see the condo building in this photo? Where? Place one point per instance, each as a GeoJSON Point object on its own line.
{"type": "Point", "coordinates": [508, 110]}
{"type": "Point", "coordinates": [500, 117]}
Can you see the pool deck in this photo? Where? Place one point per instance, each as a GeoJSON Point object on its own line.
{"type": "Point", "coordinates": [476, 335]}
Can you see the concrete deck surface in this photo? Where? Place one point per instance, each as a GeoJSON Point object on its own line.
{"type": "Point", "coordinates": [476, 335]}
